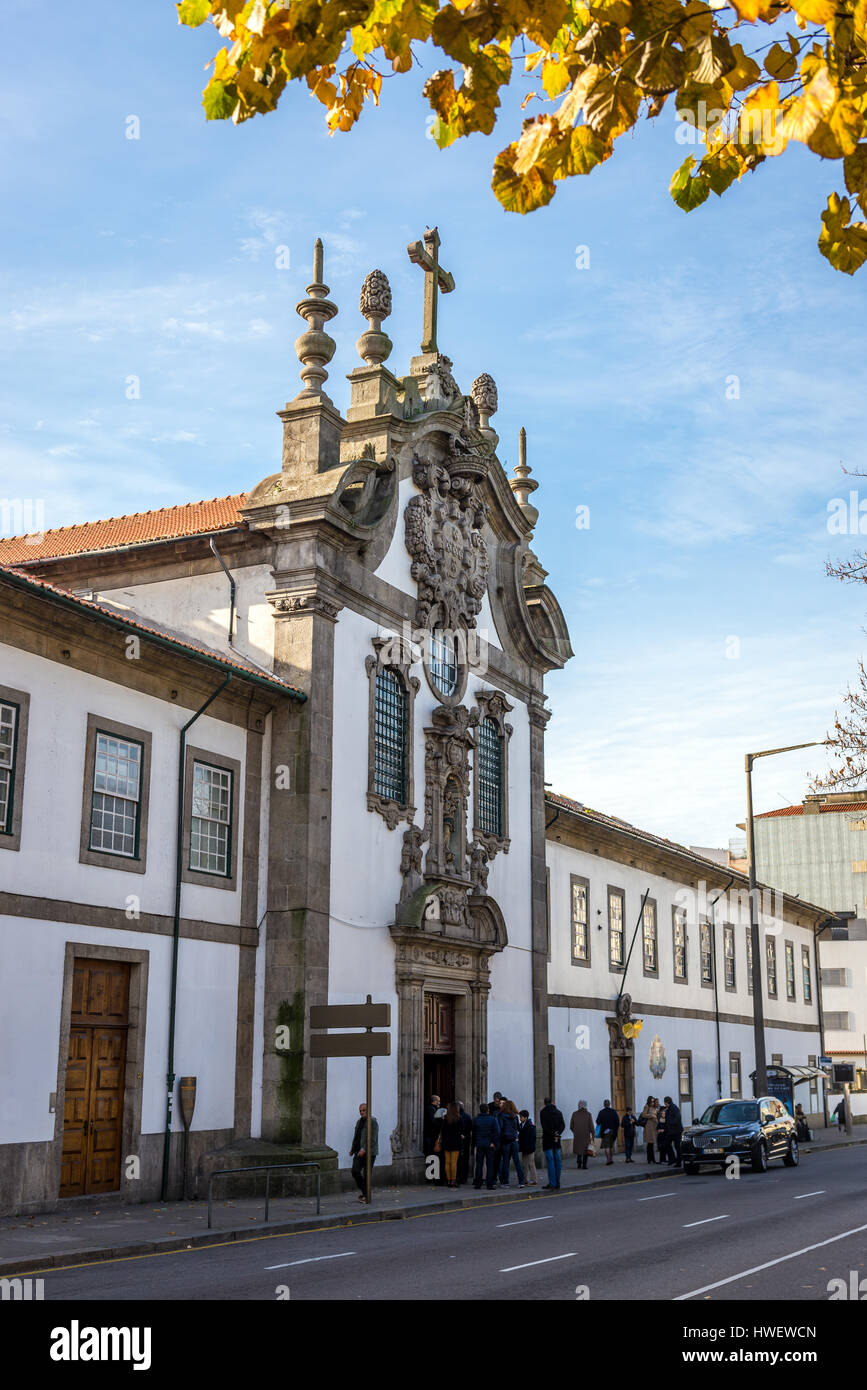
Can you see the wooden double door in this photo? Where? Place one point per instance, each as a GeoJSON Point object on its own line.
{"type": "Point", "coordinates": [439, 1046]}
{"type": "Point", "coordinates": [93, 1100]}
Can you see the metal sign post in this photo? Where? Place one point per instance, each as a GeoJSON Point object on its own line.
{"type": "Point", "coordinates": [367, 1045]}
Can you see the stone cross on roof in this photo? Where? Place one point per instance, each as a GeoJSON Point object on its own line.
{"type": "Point", "coordinates": [426, 255]}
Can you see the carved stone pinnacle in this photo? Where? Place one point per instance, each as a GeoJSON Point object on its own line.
{"type": "Point", "coordinates": [374, 346]}
{"type": "Point", "coordinates": [314, 348]}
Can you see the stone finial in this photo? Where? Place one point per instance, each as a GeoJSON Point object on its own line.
{"type": "Point", "coordinates": [374, 346]}
{"type": "Point", "coordinates": [521, 483]}
{"type": "Point", "coordinates": [315, 347]}
{"type": "Point", "coordinates": [484, 393]}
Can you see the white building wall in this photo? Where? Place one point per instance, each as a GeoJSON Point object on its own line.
{"type": "Point", "coordinates": [31, 968]}
{"type": "Point", "coordinates": [61, 697]}
{"type": "Point", "coordinates": [583, 1072]}
{"type": "Point", "coordinates": [198, 605]}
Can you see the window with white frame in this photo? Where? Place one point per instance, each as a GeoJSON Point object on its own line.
{"type": "Point", "coordinates": [806, 976]}
{"type": "Point", "coordinates": [678, 929]}
{"type": "Point", "coordinates": [735, 1073]}
{"type": "Point", "coordinates": [771, 960]}
{"type": "Point", "coordinates": [8, 746]}
{"type": "Point", "coordinates": [729, 955]}
{"type": "Point", "coordinates": [790, 971]}
{"type": "Point", "coordinates": [615, 928]}
{"type": "Point", "coordinates": [580, 924]}
{"type": "Point", "coordinates": [116, 798]}
{"type": "Point", "coordinates": [651, 945]}
{"type": "Point", "coordinates": [444, 661]}
{"type": "Point", "coordinates": [706, 952]}
{"type": "Point", "coordinates": [211, 821]}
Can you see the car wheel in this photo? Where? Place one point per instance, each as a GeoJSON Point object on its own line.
{"type": "Point", "coordinates": [760, 1158]}
{"type": "Point", "coordinates": [691, 1169]}
{"type": "Point", "coordinates": [793, 1157]}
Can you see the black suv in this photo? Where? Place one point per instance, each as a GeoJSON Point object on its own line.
{"type": "Point", "coordinates": [757, 1130]}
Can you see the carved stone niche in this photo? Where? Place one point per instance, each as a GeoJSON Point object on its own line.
{"type": "Point", "coordinates": [448, 743]}
{"type": "Point", "coordinates": [391, 655]}
{"type": "Point", "coordinates": [492, 705]}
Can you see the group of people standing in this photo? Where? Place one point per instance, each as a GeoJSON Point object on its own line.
{"type": "Point", "coordinates": [500, 1136]}
{"type": "Point", "coordinates": [662, 1127]}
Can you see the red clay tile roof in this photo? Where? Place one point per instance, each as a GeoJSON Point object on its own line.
{"type": "Point", "coordinates": [230, 664]}
{"type": "Point", "coordinates": [169, 523]}
{"type": "Point", "coordinates": [824, 810]}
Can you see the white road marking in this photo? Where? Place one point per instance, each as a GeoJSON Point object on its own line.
{"type": "Point", "coordinates": [570, 1256]}
{"type": "Point", "coordinates": [705, 1221]}
{"type": "Point", "coordinates": [769, 1264]}
{"type": "Point", "coordinates": [802, 1195]}
{"type": "Point", "coordinates": [313, 1260]}
{"type": "Point", "coordinates": [504, 1224]}
{"type": "Point", "coordinates": [658, 1196]}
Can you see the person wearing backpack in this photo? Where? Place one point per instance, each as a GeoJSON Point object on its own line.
{"type": "Point", "coordinates": [509, 1124]}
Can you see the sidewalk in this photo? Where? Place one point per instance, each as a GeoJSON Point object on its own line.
{"type": "Point", "coordinates": [91, 1229]}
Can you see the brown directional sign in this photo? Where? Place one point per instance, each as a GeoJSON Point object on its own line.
{"type": "Point", "coordinates": [351, 1016]}
{"type": "Point", "coordinates": [350, 1044]}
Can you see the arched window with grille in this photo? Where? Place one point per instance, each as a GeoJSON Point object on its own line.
{"type": "Point", "coordinates": [490, 774]}
{"type": "Point", "coordinates": [389, 736]}
{"type": "Point", "coordinates": [390, 740]}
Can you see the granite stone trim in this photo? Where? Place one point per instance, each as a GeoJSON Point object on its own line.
{"type": "Point", "coordinates": [102, 859]}
{"type": "Point", "coordinates": [20, 698]}
{"type": "Point", "coordinates": [115, 918]}
{"type": "Point", "coordinates": [227, 882]}
{"type": "Point", "coordinates": [588, 1001]}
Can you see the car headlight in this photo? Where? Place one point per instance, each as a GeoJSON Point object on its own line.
{"type": "Point", "coordinates": [743, 1134]}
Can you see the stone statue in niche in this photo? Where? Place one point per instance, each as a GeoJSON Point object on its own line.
{"type": "Point", "coordinates": [453, 807]}
{"type": "Point", "coordinates": [479, 867]}
{"type": "Point", "coordinates": [410, 861]}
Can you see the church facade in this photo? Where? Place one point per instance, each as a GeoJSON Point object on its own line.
{"type": "Point", "coordinates": [385, 573]}
{"type": "Point", "coordinates": [350, 660]}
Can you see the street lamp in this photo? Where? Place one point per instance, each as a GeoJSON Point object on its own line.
{"type": "Point", "coordinates": [758, 1002]}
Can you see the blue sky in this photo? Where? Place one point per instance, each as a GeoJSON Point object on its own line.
{"type": "Point", "coordinates": [700, 614]}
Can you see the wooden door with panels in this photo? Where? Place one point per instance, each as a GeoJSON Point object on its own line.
{"type": "Point", "coordinates": [439, 1046]}
{"type": "Point", "coordinates": [94, 1094]}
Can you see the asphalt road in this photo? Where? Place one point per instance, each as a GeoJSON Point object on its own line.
{"type": "Point", "coordinates": [701, 1238]}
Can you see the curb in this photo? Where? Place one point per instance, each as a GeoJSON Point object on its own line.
{"type": "Point", "coordinates": [202, 1239]}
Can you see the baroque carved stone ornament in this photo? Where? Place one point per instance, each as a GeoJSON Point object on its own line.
{"type": "Point", "coordinates": [374, 346]}
{"type": "Point", "coordinates": [443, 537]}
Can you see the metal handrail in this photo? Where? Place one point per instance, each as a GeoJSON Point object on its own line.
{"type": "Point", "coordinates": [268, 1169]}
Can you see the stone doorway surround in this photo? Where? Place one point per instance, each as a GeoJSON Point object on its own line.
{"type": "Point", "coordinates": [432, 956]}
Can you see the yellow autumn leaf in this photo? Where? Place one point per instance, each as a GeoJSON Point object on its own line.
{"type": "Point", "coordinates": [555, 77]}
{"type": "Point", "coordinates": [843, 243]}
{"type": "Point", "coordinates": [815, 11]}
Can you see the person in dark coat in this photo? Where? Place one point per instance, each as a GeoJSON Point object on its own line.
{"type": "Point", "coordinates": [509, 1126]}
{"type": "Point", "coordinates": [627, 1125]}
{"type": "Point", "coordinates": [358, 1153]}
{"type": "Point", "coordinates": [451, 1135]}
{"type": "Point", "coordinates": [608, 1121]}
{"type": "Point", "coordinates": [552, 1125]}
{"type": "Point", "coordinates": [486, 1141]}
{"type": "Point", "coordinates": [581, 1126]}
{"type": "Point", "coordinates": [466, 1145]}
{"type": "Point", "coordinates": [673, 1132]}
{"type": "Point", "coordinates": [661, 1135]}
{"type": "Point", "coordinates": [527, 1147]}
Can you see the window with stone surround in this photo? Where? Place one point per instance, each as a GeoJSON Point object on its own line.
{"type": "Point", "coordinates": [806, 976]}
{"type": "Point", "coordinates": [390, 731]}
{"type": "Point", "coordinates": [491, 771]}
{"type": "Point", "coordinates": [790, 971]}
{"type": "Point", "coordinates": [580, 904]}
{"type": "Point", "coordinates": [749, 967]}
{"type": "Point", "coordinates": [735, 1074]}
{"type": "Point", "coordinates": [114, 811]}
{"type": "Point", "coordinates": [678, 935]}
{"type": "Point", "coordinates": [615, 928]}
{"type": "Point", "coordinates": [211, 821]}
{"type": "Point", "coordinates": [650, 942]}
{"type": "Point", "coordinates": [729, 956]}
{"type": "Point", "coordinates": [771, 961]}
{"type": "Point", "coordinates": [706, 953]}
{"type": "Point", "coordinates": [14, 710]}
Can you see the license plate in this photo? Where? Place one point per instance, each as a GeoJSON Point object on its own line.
{"type": "Point", "coordinates": [713, 1151]}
